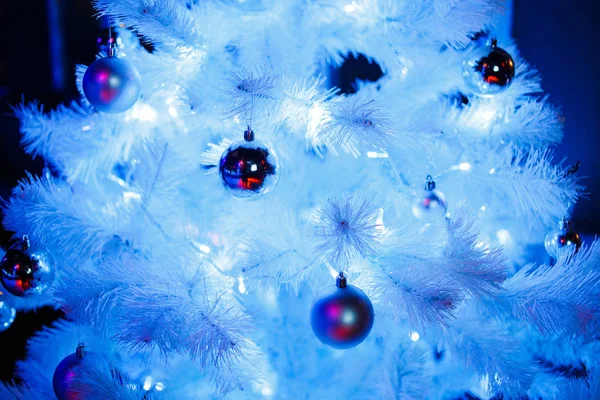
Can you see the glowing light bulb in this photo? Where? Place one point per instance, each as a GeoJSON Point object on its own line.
{"type": "Point", "coordinates": [374, 154]}
{"type": "Point", "coordinates": [503, 236]}
{"type": "Point", "coordinates": [146, 113]}
{"type": "Point", "coordinates": [241, 285]}
{"type": "Point", "coordinates": [350, 8]}
{"type": "Point", "coordinates": [465, 166]}
{"type": "Point", "coordinates": [414, 336]}
{"type": "Point", "coordinates": [128, 196]}
{"type": "Point", "coordinates": [147, 383]}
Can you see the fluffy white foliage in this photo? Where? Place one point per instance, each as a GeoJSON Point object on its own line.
{"type": "Point", "coordinates": [161, 270]}
{"type": "Point", "coordinates": [354, 123]}
{"type": "Point", "coordinates": [492, 350]}
{"type": "Point", "coordinates": [428, 281]}
{"type": "Point", "coordinates": [162, 22]}
{"type": "Point", "coordinates": [346, 228]}
{"type": "Point", "coordinates": [557, 299]}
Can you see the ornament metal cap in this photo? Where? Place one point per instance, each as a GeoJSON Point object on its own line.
{"type": "Point", "coordinates": [80, 352]}
{"type": "Point", "coordinates": [341, 281]}
{"type": "Point", "coordinates": [249, 134]}
{"type": "Point", "coordinates": [565, 224]}
{"type": "Point", "coordinates": [112, 47]}
{"type": "Point", "coordinates": [429, 183]}
{"type": "Point", "coordinates": [494, 43]}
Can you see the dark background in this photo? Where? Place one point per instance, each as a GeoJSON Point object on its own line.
{"type": "Point", "coordinates": [42, 40]}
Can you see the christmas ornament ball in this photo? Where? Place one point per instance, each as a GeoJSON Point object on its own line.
{"type": "Point", "coordinates": [342, 316]}
{"type": "Point", "coordinates": [7, 312]}
{"type": "Point", "coordinates": [67, 371]}
{"type": "Point", "coordinates": [489, 70]}
{"type": "Point", "coordinates": [248, 168]}
{"type": "Point", "coordinates": [112, 84]}
{"type": "Point", "coordinates": [431, 204]}
{"type": "Point", "coordinates": [26, 273]}
{"type": "Point", "coordinates": [563, 238]}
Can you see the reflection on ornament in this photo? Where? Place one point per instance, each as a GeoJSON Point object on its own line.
{"type": "Point", "coordinates": [248, 168]}
{"type": "Point", "coordinates": [7, 312]}
{"type": "Point", "coordinates": [342, 316]}
{"type": "Point", "coordinates": [432, 203]}
{"type": "Point", "coordinates": [26, 273]}
{"type": "Point", "coordinates": [489, 71]}
{"type": "Point", "coordinates": [561, 239]}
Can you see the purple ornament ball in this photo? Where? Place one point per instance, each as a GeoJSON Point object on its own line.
{"type": "Point", "coordinates": [112, 84]}
{"type": "Point", "coordinates": [67, 371]}
{"type": "Point", "coordinates": [342, 316]}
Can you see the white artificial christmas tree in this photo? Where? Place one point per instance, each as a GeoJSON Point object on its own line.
{"type": "Point", "coordinates": [180, 290]}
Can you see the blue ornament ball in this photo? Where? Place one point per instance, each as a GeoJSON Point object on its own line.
{"type": "Point", "coordinates": [249, 168]}
{"type": "Point", "coordinates": [342, 316]}
{"type": "Point", "coordinates": [67, 371]}
{"type": "Point", "coordinates": [7, 312]}
{"type": "Point", "coordinates": [112, 84]}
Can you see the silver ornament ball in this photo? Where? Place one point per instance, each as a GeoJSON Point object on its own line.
{"type": "Point", "coordinates": [25, 272]}
{"type": "Point", "coordinates": [431, 204]}
{"type": "Point", "coordinates": [249, 168]}
{"type": "Point", "coordinates": [489, 70]}
{"type": "Point", "coordinates": [563, 239]}
{"type": "Point", "coordinates": [112, 84]}
{"type": "Point", "coordinates": [7, 312]}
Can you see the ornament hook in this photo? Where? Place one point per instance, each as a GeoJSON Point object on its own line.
{"type": "Point", "coordinates": [25, 244]}
{"type": "Point", "coordinates": [112, 43]}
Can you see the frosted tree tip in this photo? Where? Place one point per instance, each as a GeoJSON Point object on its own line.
{"type": "Point", "coordinates": [346, 227]}
{"type": "Point", "coordinates": [355, 122]}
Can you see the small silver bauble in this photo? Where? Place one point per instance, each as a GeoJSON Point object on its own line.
{"type": "Point", "coordinates": [561, 239]}
{"type": "Point", "coordinates": [489, 70]}
{"type": "Point", "coordinates": [431, 204]}
{"type": "Point", "coordinates": [248, 168]}
{"type": "Point", "coordinates": [25, 272]}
